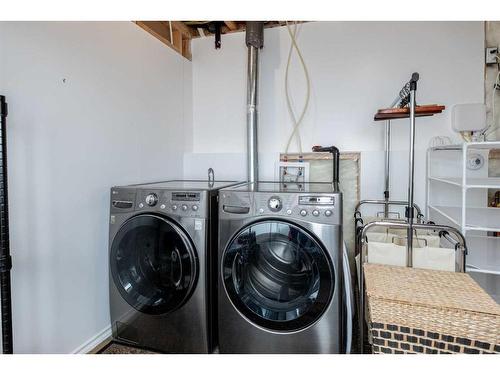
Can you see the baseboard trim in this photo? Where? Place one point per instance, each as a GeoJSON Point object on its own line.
{"type": "Point", "coordinates": [101, 338]}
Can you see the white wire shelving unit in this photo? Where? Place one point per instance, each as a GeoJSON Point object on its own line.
{"type": "Point", "coordinates": [457, 192]}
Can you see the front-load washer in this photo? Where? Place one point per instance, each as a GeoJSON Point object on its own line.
{"type": "Point", "coordinates": [161, 283]}
{"type": "Point", "coordinates": [281, 268]}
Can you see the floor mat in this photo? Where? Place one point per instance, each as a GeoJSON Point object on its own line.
{"type": "Point", "coordinates": [114, 348]}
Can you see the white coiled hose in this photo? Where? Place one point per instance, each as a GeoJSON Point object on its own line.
{"type": "Point", "coordinates": [296, 121]}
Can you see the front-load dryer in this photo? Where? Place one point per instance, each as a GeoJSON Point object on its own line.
{"type": "Point", "coordinates": [281, 269]}
{"type": "Point", "coordinates": [161, 283]}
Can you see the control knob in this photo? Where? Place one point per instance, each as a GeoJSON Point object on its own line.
{"type": "Point", "coordinates": [328, 213]}
{"type": "Point", "coordinates": [275, 204]}
{"type": "Point", "coordinates": [184, 207]}
{"type": "Point", "coordinates": [315, 213]}
{"type": "Point", "coordinates": [151, 199]}
{"type": "Point", "coordinates": [303, 212]}
{"type": "Point", "coordinates": [194, 208]}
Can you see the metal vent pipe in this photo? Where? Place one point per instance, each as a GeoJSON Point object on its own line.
{"type": "Point", "coordinates": [254, 39]}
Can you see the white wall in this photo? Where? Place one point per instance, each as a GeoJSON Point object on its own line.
{"type": "Point", "coordinates": [355, 68]}
{"type": "Point", "coordinates": [121, 116]}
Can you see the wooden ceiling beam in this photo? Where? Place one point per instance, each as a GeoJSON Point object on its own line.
{"type": "Point", "coordinates": [179, 40]}
{"type": "Point", "coordinates": [231, 25]}
{"type": "Point", "coordinates": [183, 28]}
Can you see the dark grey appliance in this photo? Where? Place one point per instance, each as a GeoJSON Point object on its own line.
{"type": "Point", "coordinates": [281, 268]}
{"type": "Point", "coordinates": [161, 284]}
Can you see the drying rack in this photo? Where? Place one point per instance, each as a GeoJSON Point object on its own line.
{"type": "Point", "coordinates": [398, 110]}
{"type": "Point", "coordinates": [404, 106]}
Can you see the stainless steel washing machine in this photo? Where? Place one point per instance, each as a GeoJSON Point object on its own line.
{"type": "Point", "coordinates": [162, 270]}
{"type": "Point", "coordinates": [281, 269]}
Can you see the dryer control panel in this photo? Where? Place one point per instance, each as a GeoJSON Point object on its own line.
{"type": "Point", "coordinates": [320, 208]}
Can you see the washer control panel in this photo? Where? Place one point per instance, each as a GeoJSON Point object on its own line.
{"type": "Point", "coordinates": [179, 203]}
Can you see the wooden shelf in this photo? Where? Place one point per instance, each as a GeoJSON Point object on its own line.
{"type": "Point", "coordinates": [399, 113]}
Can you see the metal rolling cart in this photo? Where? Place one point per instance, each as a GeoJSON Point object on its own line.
{"type": "Point", "coordinates": [404, 106]}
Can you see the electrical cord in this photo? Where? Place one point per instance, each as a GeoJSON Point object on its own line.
{"type": "Point", "coordinates": [296, 121]}
{"type": "Point", "coordinates": [493, 127]}
{"type": "Point", "coordinates": [496, 87]}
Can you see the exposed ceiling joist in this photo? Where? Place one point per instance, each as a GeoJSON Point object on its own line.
{"type": "Point", "coordinates": [178, 34]}
{"type": "Point", "coordinates": [231, 25]}
{"type": "Point", "coordinates": [174, 34]}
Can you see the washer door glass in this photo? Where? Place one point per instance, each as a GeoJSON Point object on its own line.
{"type": "Point", "coordinates": [153, 264]}
{"type": "Point", "coordinates": [277, 275]}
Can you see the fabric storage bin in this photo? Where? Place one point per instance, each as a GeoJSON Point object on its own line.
{"type": "Point", "coordinates": [388, 236]}
{"type": "Point", "coordinates": [427, 311]}
{"type": "Point", "coordinates": [435, 258]}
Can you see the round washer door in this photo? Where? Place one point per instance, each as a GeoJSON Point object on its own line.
{"type": "Point", "coordinates": [153, 264]}
{"type": "Point", "coordinates": [277, 275]}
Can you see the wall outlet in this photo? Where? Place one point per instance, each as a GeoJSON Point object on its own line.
{"type": "Point", "coordinates": [491, 52]}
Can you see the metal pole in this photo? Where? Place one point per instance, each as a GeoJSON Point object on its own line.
{"type": "Point", "coordinates": [252, 145]}
{"type": "Point", "coordinates": [410, 212]}
{"type": "Point", "coordinates": [387, 167]}
{"type": "Point", "coordinates": [5, 258]}
{"type": "Point", "coordinates": [254, 41]}
{"type": "Point", "coordinates": [361, 311]}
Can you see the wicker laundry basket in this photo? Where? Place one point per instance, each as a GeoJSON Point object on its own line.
{"type": "Point", "coordinates": [413, 310]}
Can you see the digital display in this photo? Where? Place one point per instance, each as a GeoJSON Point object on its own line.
{"type": "Point", "coordinates": [317, 200]}
{"type": "Point", "coordinates": [185, 196]}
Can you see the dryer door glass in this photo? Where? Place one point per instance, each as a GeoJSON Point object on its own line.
{"type": "Point", "coordinates": [278, 275]}
{"type": "Point", "coordinates": [153, 264]}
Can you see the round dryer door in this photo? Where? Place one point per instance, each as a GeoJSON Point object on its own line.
{"type": "Point", "coordinates": [277, 275]}
{"type": "Point", "coordinates": [153, 264]}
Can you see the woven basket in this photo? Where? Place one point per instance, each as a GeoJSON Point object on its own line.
{"type": "Point", "coordinates": [425, 311]}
